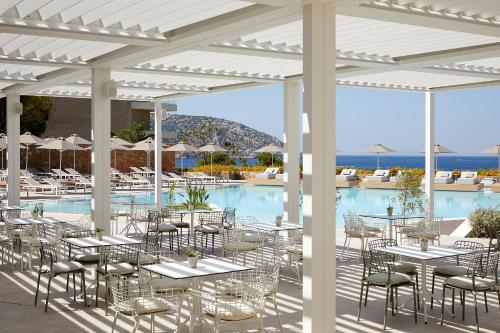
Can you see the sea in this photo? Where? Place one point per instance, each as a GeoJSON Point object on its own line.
{"type": "Point", "coordinates": [445, 162]}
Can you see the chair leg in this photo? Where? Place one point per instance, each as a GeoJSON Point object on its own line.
{"type": "Point", "coordinates": [475, 310]}
{"type": "Point", "coordinates": [453, 302]}
{"type": "Point", "coordinates": [106, 294]}
{"type": "Point", "coordinates": [366, 296]}
{"type": "Point", "coordinates": [343, 249]}
{"type": "Point", "coordinates": [96, 288]}
{"type": "Point", "coordinates": [485, 302]}
{"type": "Point", "coordinates": [463, 305]}
{"type": "Point", "coordinates": [415, 304]}
{"type": "Point", "coordinates": [442, 304]}
{"type": "Point", "coordinates": [84, 289]}
{"type": "Point", "coordinates": [392, 301]}
{"type": "Point", "coordinates": [418, 290]}
{"type": "Point", "coordinates": [432, 290]}
{"type": "Point", "coordinates": [213, 242]}
{"type": "Point", "coordinates": [386, 306]}
{"type": "Point", "coordinates": [137, 322]}
{"type": "Point", "coordinates": [37, 287]}
{"type": "Point", "coordinates": [114, 322]}
{"type": "Point", "coordinates": [361, 299]}
{"type": "Point", "coordinates": [277, 313]}
{"type": "Point", "coordinates": [74, 288]}
{"type": "Point", "coordinates": [48, 293]}
{"type": "Point", "coordinates": [178, 243]}
{"type": "Point", "coordinates": [152, 323]}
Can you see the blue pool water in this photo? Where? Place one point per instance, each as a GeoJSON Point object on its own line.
{"type": "Point", "coordinates": [265, 202]}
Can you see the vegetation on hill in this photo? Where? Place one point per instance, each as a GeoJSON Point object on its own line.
{"type": "Point", "coordinates": [135, 133]}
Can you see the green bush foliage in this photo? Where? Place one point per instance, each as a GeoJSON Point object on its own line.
{"type": "Point", "coordinates": [484, 222]}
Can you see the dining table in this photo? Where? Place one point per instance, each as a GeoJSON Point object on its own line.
{"type": "Point", "coordinates": [391, 219]}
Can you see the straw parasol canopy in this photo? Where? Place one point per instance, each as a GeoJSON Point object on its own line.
{"type": "Point", "coordinates": [438, 149]}
{"type": "Point", "coordinates": [113, 147]}
{"type": "Point", "coordinates": [29, 139]}
{"type": "Point", "coordinates": [493, 150]}
{"type": "Point", "coordinates": [3, 145]}
{"type": "Point", "coordinates": [60, 144]}
{"type": "Point", "coordinates": [77, 140]}
{"type": "Point", "coordinates": [182, 147]}
{"type": "Point", "coordinates": [211, 148]}
{"type": "Point", "coordinates": [270, 149]}
{"type": "Point", "coordinates": [147, 145]}
{"type": "Point", "coordinates": [378, 149]}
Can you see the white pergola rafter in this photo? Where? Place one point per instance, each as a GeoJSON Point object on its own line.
{"type": "Point", "coordinates": [56, 29]}
{"type": "Point", "coordinates": [17, 78]}
{"type": "Point", "coordinates": [81, 94]}
{"type": "Point", "coordinates": [149, 86]}
{"type": "Point", "coordinates": [46, 61]}
{"type": "Point", "coordinates": [359, 84]}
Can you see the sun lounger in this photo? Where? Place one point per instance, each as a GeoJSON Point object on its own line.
{"type": "Point", "coordinates": [3, 174]}
{"type": "Point", "coordinates": [443, 177]}
{"type": "Point", "coordinates": [176, 178]}
{"type": "Point", "coordinates": [142, 179]}
{"type": "Point", "coordinates": [148, 171]}
{"type": "Point", "coordinates": [74, 174]}
{"type": "Point", "coordinates": [468, 178]}
{"type": "Point", "coordinates": [347, 174]}
{"type": "Point", "coordinates": [26, 174]}
{"type": "Point", "coordinates": [378, 176]}
{"type": "Point", "coordinates": [137, 171]}
{"type": "Point", "coordinates": [31, 183]}
{"type": "Point", "coordinates": [58, 173]}
{"type": "Point", "coordinates": [83, 182]}
{"type": "Point", "coordinates": [269, 173]}
{"type": "Point", "coordinates": [127, 180]}
{"type": "Point", "coordinates": [56, 185]}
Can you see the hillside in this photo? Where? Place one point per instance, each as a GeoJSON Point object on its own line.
{"type": "Point", "coordinates": [200, 130]}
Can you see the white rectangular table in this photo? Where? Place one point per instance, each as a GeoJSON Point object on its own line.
{"type": "Point", "coordinates": [271, 227]}
{"type": "Point", "coordinates": [391, 219]}
{"type": "Point", "coordinates": [433, 252]}
{"type": "Point", "coordinates": [39, 220]}
{"type": "Point", "coordinates": [89, 242]}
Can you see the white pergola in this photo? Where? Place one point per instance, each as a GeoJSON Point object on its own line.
{"type": "Point", "coordinates": [155, 50]}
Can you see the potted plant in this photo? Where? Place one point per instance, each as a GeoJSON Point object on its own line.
{"type": "Point", "coordinates": [390, 209]}
{"type": "Point", "coordinates": [99, 233]}
{"type": "Point", "coordinates": [424, 243]}
{"type": "Point", "coordinates": [279, 220]}
{"type": "Point", "coordinates": [192, 257]}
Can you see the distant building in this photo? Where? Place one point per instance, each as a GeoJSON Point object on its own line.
{"type": "Point", "coordinates": [169, 130]}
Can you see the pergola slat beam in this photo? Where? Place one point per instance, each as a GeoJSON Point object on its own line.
{"type": "Point", "coordinates": [79, 32]}
{"type": "Point", "coordinates": [55, 78]}
{"type": "Point", "coordinates": [148, 86]}
{"type": "Point", "coordinates": [11, 60]}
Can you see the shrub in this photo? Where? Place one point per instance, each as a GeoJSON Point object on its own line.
{"type": "Point", "coordinates": [410, 192]}
{"type": "Point", "coordinates": [484, 222]}
{"type": "Point", "coordinates": [267, 159]}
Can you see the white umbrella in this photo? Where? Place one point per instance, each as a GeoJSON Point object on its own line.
{"type": "Point", "coordinates": [438, 149]}
{"type": "Point", "coordinates": [182, 147]}
{"type": "Point", "coordinates": [493, 150]}
{"type": "Point", "coordinates": [270, 149]}
{"type": "Point", "coordinates": [61, 145]}
{"type": "Point", "coordinates": [113, 147]}
{"type": "Point", "coordinates": [378, 149]}
{"type": "Point", "coordinates": [3, 145]}
{"type": "Point", "coordinates": [29, 139]}
{"type": "Point", "coordinates": [122, 142]}
{"type": "Point", "coordinates": [211, 148]}
{"type": "Point", "coordinates": [147, 145]}
{"type": "Point", "coordinates": [77, 140]}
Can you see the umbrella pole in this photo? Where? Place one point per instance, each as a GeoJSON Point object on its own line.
{"type": "Point", "coordinates": [74, 159]}
{"type": "Point", "coordinates": [272, 159]}
{"type": "Point", "coordinates": [436, 162]}
{"type": "Point", "coordinates": [498, 163]}
{"type": "Point", "coordinates": [181, 163]}
{"type": "Point", "coordinates": [378, 160]}
{"type": "Point", "coordinates": [60, 160]}
{"type": "Point", "coordinates": [27, 154]}
{"type": "Point", "coordinates": [211, 173]}
{"type": "Point", "coordinates": [2, 159]}
{"type": "Point", "coordinates": [115, 158]}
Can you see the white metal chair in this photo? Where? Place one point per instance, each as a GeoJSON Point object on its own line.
{"type": "Point", "coordinates": [232, 241]}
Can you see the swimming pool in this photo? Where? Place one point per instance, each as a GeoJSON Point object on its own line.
{"type": "Point", "coordinates": [265, 202]}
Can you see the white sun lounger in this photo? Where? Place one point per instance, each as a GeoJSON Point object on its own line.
{"type": "Point", "coordinates": [269, 173]}
{"type": "Point", "coordinates": [378, 176]}
{"type": "Point", "coordinates": [54, 183]}
{"type": "Point", "coordinates": [127, 180]}
{"type": "Point", "coordinates": [176, 178]}
{"type": "Point", "coordinates": [58, 173]}
{"type": "Point", "coordinates": [137, 171]}
{"type": "Point", "coordinates": [35, 185]}
{"type": "Point", "coordinates": [83, 182]}
{"type": "Point", "coordinates": [148, 171]}
{"type": "Point", "coordinates": [347, 175]}
{"type": "Point", "coordinates": [468, 178]}
{"type": "Point", "coordinates": [443, 177]}
{"type": "Point", "coordinates": [74, 174]}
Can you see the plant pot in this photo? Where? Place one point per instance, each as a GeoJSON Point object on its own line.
{"type": "Point", "coordinates": [278, 222]}
{"type": "Point", "coordinates": [424, 245]}
{"type": "Point", "coordinates": [190, 207]}
{"type": "Point", "coordinates": [389, 211]}
{"type": "Point", "coordinates": [99, 235]}
{"type": "Point", "coordinates": [34, 215]}
{"type": "Point", "coordinates": [193, 261]}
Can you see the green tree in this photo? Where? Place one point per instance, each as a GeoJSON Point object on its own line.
{"type": "Point", "coordinates": [36, 113]}
{"type": "Point", "coordinates": [220, 158]}
{"type": "Point", "coordinates": [268, 159]}
{"type": "Point", "coordinates": [135, 133]}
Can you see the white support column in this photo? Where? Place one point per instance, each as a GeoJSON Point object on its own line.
{"type": "Point", "coordinates": [158, 154]}
{"type": "Point", "coordinates": [429, 151]}
{"type": "Point", "coordinates": [14, 110]}
{"type": "Point", "coordinates": [101, 159]}
{"type": "Point", "coordinates": [319, 168]}
{"type": "Point", "coordinates": [291, 155]}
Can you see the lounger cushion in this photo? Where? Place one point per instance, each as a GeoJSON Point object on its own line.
{"type": "Point", "coordinates": [468, 175]}
{"type": "Point", "coordinates": [465, 282]}
{"type": "Point", "coordinates": [450, 270]}
{"type": "Point", "coordinates": [379, 173]}
{"type": "Point", "coordinates": [60, 267]}
{"type": "Point", "coordinates": [233, 310]}
{"type": "Point", "coordinates": [467, 181]}
{"type": "Point", "coordinates": [160, 284]}
{"type": "Point", "coordinates": [380, 279]}
{"type": "Point", "coordinates": [122, 268]}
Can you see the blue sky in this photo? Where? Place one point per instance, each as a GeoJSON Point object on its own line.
{"type": "Point", "coordinates": [466, 121]}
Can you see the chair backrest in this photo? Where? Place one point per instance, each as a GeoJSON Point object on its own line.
{"type": "Point", "coordinates": [484, 264]}
{"type": "Point", "coordinates": [32, 182]}
{"type": "Point", "coordinates": [381, 243]}
{"type": "Point", "coordinates": [150, 242]}
{"type": "Point", "coordinates": [353, 223]}
{"type": "Point", "coordinates": [348, 172]}
{"type": "Point", "coordinates": [229, 216]}
{"type": "Point", "coordinates": [49, 253]}
{"type": "Point", "coordinates": [378, 262]}
{"type": "Point", "coordinates": [214, 218]}
{"type": "Point", "coordinates": [468, 246]}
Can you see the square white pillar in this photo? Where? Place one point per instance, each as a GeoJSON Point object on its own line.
{"type": "Point", "coordinates": [291, 154]}
{"type": "Point", "coordinates": [158, 154]}
{"type": "Point", "coordinates": [14, 110]}
{"type": "Point", "coordinates": [101, 159]}
{"type": "Point", "coordinates": [319, 168]}
{"type": "Point", "coordinates": [429, 151]}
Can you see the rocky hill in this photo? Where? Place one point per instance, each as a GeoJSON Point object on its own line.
{"type": "Point", "coordinates": [200, 130]}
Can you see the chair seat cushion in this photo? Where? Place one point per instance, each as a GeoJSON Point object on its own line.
{"type": "Point", "coordinates": [465, 282]}
{"type": "Point", "coordinates": [86, 258]}
{"type": "Point", "coordinates": [163, 227]}
{"type": "Point", "coordinates": [60, 267]}
{"type": "Point", "coordinates": [4, 239]}
{"type": "Point", "coordinates": [181, 224]}
{"type": "Point", "coordinates": [240, 246]}
{"type": "Point", "coordinates": [122, 268]}
{"type": "Point", "coordinates": [160, 284]}
{"type": "Point", "coordinates": [147, 305]}
{"type": "Point", "coordinates": [143, 258]}
{"type": "Point", "coordinates": [232, 310]}
{"type": "Point", "coordinates": [450, 270]}
{"type": "Point", "coordinates": [207, 228]}
{"type": "Point", "coordinates": [254, 238]}
{"type": "Point", "coordinates": [380, 279]}
{"type": "Point", "coordinates": [405, 268]}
